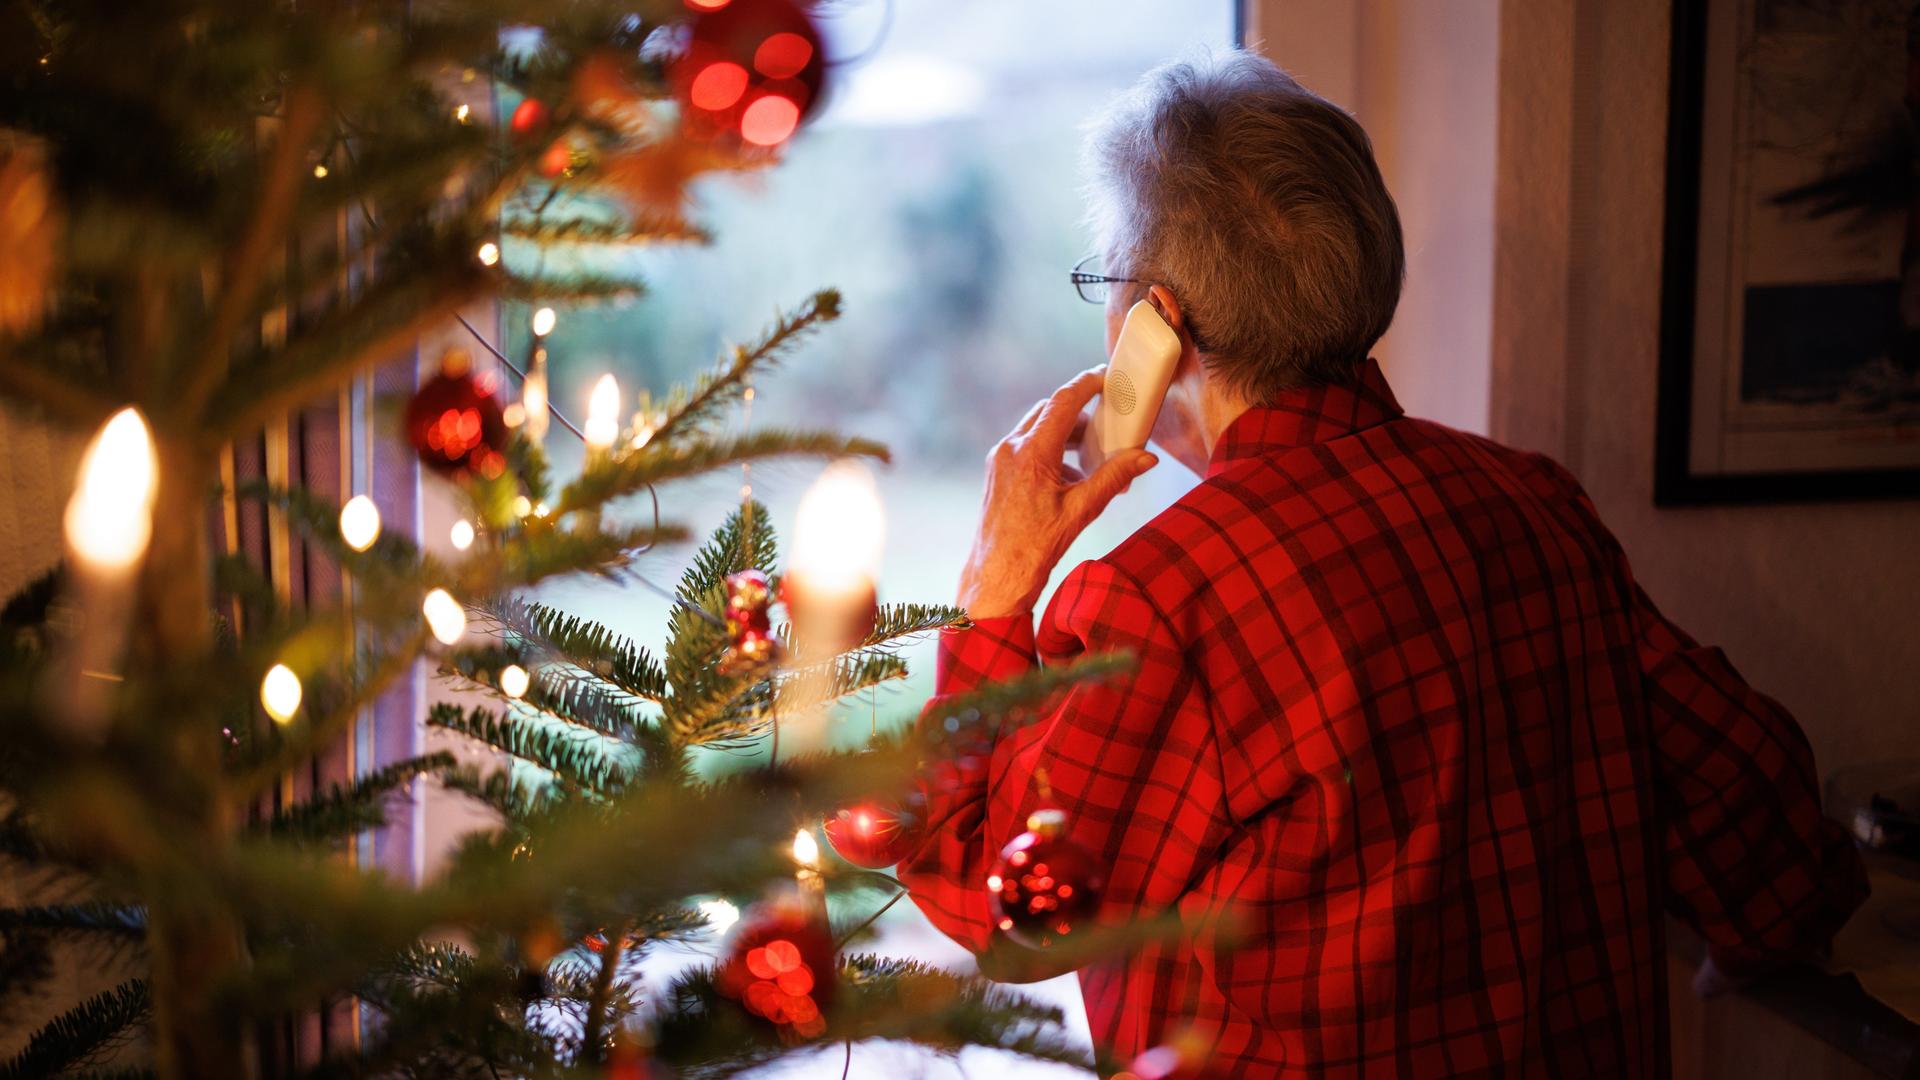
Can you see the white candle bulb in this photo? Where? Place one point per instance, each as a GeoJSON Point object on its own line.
{"type": "Point", "coordinates": [806, 850]}
{"type": "Point", "coordinates": [514, 681]}
{"type": "Point", "coordinates": [280, 692]}
{"type": "Point", "coordinates": [543, 321]}
{"type": "Point", "coordinates": [359, 523]}
{"type": "Point", "coordinates": [533, 398]}
{"type": "Point", "coordinates": [445, 617]}
{"type": "Point", "coordinates": [603, 413]}
{"type": "Point", "coordinates": [838, 534]}
{"type": "Point", "coordinates": [110, 517]}
{"type": "Point", "coordinates": [462, 535]}
{"type": "Point", "coordinates": [489, 253]}
{"type": "Point", "coordinates": [720, 914]}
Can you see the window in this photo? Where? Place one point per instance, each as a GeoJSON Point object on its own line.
{"type": "Point", "coordinates": [939, 190]}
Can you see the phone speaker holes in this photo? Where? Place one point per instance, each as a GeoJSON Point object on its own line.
{"type": "Point", "coordinates": [1121, 394]}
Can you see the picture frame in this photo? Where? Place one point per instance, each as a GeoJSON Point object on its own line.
{"type": "Point", "coordinates": [1787, 369]}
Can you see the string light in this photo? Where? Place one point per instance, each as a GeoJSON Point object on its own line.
{"type": "Point", "coordinates": [319, 172]}
{"type": "Point", "coordinates": [109, 520]}
{"type": "Point", "coordinates": [359, 523]}
{"type": "Point", "coordinates": [603, 412]}
{"type": "Point", "coordinates": [462, 535]}
{"type": "Point", "coordinates": [514, 681]}
{"type": "Point", "coordinates": [280, 693]}
{"type": "Point", "coordinates": [541, 509]}
{"type": "Point", "coordinates": [720, 914]}
{"type": "Point", "coordinates": [489, 253]}
{"type": "Point", "coordinates": [543, 322]}
{"type": "Point", "coordinates": [522, 506]}
{"type": "Point", "coordinates": [445, 617]}
{"type": "Point", "coordinates": [806, 850]}
{"type": "Point", "coordinates": [463, 112]}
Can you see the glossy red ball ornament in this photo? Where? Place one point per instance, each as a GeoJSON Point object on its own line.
{"type": "Point", "coordinates": [877, 833]}
{"type": "Point", "coordinates": [752, 70]}
{"type": "Point", "coordinates": [455, 422]}
{"type": "Point", "coordinates": [781, 966]}
{"type": "Point", "coordinates": [1045, 887]}
{"type": "Point", "coordinates": [529, 118]}
{"type": "Point", "coordinates": [556, 161]}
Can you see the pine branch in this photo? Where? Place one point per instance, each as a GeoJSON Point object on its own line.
{"type": "Point", "coordinates": [578, 758]}
{"type": "Point", "coordinates": [746, 539]}
{"type": "Point", "coordinates": [83, 1035]}
{"type": "Point", "coordinates": [572, 289]}
{"type": "Point", "coordinates": [515, 804]}
{"type": "Point", "coordinates": [631, 471]}
{"type": "Point", "coordinates": [343, 810]}
{"type": "Point", "coordinates": [670, 228]}
{"type": "Point", "coordinates": [993, 704]}
{"type": "Point", "coordinates": [715, 390]}
{"type": "Point", "coordinates": [584, 644]}
{"type": "Point", "coordinates": [93, 917]}
{"type": "Point", "coordinates": [896, 621]}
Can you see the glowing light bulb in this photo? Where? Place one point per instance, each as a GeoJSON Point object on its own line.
{"type": "Point", "coordinates": [319, 172]}
{"type": "Point", "coordinates": [533, 398]}
{"type": "Point", "coordinates": [522, 506]}
{"type": "Point", "coordinates": [603, 413]}
{"type": "Point", "coordinates": [720, 914]}
{"type": "Point", "coordinates": [806, 850]}
{"type": "Point", "coordinates": [543, 321]}
{"type": "Point", "coordinates": [463, 112]}
{"type": "Point", "coordinates": [540, 509]}
{"type": "Point", "coordinates": [514, 681]}
{"type": "Point", "coordinates": [489, 253]}
{"type": "Point", "coordinates": [359, 523]}
{"type": "Point", "coordinates": [461, 535]}
{"type": "Point", "coordinates": [445, 617]}
{"type": "Point", "coordinates": [109, 520]}
{"type": "Point", "coordinates": [280, 693]}
{"type": "Point", "coordinates": [839, 532]}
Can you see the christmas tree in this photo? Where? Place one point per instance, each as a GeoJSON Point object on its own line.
{"type": "Point", "coordinates": [214, 213]}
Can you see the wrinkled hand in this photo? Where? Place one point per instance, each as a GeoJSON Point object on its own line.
{"type": "Point", "coordinates": [1036, 504]}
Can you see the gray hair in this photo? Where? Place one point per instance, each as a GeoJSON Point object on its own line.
{"type": "Point", "coordinates": [1259, 204]}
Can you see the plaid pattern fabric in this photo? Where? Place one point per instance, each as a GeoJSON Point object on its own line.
{"type": "Point", "coordinates": [1412, 758]}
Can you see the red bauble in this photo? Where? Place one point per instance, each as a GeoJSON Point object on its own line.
{"type": "Point", "coordinates": [557, 160]}
{"type": "Point", "coordinates": [876, 833]}
{"type": "Point", "coordinates": [752, 70]}
{"type": "Point", "coordinates": [455, 423]}
{"type": "Point", "coordinates": [1045, 887]}
{"type": "Point", "coordinates": [529, 118]}
{"type": "Point", "coordinates": [781, 967]}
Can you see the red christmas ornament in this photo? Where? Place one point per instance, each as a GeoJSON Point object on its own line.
{"type": "Point", "coordinates": [529, 118]}
{"type": "Point", "coordinates": [1045, 887]}
{"type": "Point", "coordinates": [781, 968]}
{"type": "Point", "coordinates": [557, 160]}
{"type": "Point", "coordinates": [752, 70]}
{"type": "Point", "coordinates": [877, 833]}
{"type": "Point", "coordinates": [749, 596]}
{"type": "Point", "coordinates": [455, 422]}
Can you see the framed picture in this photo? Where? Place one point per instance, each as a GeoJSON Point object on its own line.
{"type": "Point", "coordinates": [1790, 321]}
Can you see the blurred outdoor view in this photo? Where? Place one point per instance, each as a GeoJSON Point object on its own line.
{"type": "Point", "coordinates": [939, 190]}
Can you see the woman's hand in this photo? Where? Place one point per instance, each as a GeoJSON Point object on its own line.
{"type": "Point", "coordinates": [1036, 504]}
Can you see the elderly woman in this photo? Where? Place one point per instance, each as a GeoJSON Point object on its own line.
{"type": "Point", "coordinates": [1408, 757]}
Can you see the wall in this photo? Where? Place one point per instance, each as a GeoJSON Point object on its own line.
{"type": "Point", "coordinates": [1421, 77]}
{"type": "Point", "coordinates": [1813, 602]}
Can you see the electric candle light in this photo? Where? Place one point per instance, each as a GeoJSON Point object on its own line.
{"type": "Point", "coordinates": [806, 853]}
{"type": "Point", "coordinates": [543, 322]}
{"type": "Point", "coordinates": [359, 523]}
{"type": "Point", "coordinates": [533, 396]}
{"type": "Point", "coordinates": [109, 520]}
{"type": "Point", "coordinates": [603, 414]}
{"type": "Point", "coordinates": [838, 534]}
{"type": "Point", "coordinates": [280, 693]}
{"type": "Point", "coordinates": [489, 253]}
{"type": "Point", "coordinates": [720, 914]}
{"type": "Point", "coordinates": [445, 617]}
{"type": "Point", "coordinates": [462, 535]}
{"type": "Point", "coordinates": [514, 681]}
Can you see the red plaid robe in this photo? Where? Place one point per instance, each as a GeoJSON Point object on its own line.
{"type": "Point", "coordinates": [1404, 723]}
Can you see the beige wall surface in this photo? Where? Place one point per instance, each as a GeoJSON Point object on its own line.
{"type": "Point", "coordinates": [1815, 603]}
{"type": "Point", "coordinates": [1421, 76]}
